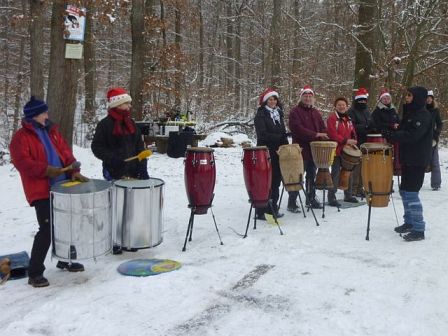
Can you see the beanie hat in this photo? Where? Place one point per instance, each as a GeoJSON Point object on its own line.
{"type": "Point", "coordinates": [306, 89]}
{"type": "Point", "coordinates": [430, 93]}
{"type": "Point", "coordinates": [34, 107]}
{"type": "Point", "coordinates": [384, 93]}
{"type": "Point", "coordinates": [266, 95]}
{"type": "Point", "coordinates": [117, 96]}
{"type": "Point", "coordinates": [361, 93]}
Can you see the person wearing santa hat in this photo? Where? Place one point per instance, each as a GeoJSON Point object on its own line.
{"type": "Point", "coordinates": [306, 125]}
{"type": "Point", "coordinates": [117, 138]}
{"type": "Point", "coordinates": [385, 115]}
{"type": "Point", "coordinates": [39, 152]}
{"type": "Point", "coordinates": [361, 119]}
{"type": "Point", "coordinates": [271, 132]}
{"type": "Point", "coordinates": [431, 106]}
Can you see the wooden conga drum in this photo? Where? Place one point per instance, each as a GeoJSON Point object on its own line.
{"type": "Point", "coordinates": [377, 172]}
{"type": "Point", "coordinates": [323, 153]}
{"type": "Point", "coordinates": [376, 138]}
{"type": "Point", "coordinates": [350, 158]}
{"type": "Point", "coordinates": [257, 172]}
{"type": "Point", "coordinates": [291, 166]}
{"type": "Point", "coordinates": [200, 177]}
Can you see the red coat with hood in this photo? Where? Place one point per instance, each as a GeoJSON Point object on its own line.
{"type": "Point", "coordinates": [29, 157]}
{"type": "Point", "coordinates": [340, 128]}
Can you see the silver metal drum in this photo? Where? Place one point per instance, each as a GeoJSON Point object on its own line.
{"type": "Point", "coordinates": [138, 215]}
{"type": "Point", "coordinates": [82, 219]}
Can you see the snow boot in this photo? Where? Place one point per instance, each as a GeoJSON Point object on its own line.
{"type": "Point", "coordinates": [38, 281]}
{"type": "Point", "coordinates": [403, 228]}
{"type": "Point", "coordinates": [73, 267]}
{"type": "Point", "coordinates": [414, 236]}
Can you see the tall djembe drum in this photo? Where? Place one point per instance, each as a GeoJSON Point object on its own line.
{"type": "Point", "coordinates": [200, 177]}
{"type": "Point", "coordinates": [291, 166]}
{"type": "Point", "coordinates": [323, 153]}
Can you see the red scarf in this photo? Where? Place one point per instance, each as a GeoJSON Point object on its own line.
{"type": "Point", "coordinates": [122, 118]}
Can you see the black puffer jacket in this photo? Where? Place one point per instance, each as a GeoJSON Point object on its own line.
{"type": "Point", "coordinates": [437, 121]}
{"type": "Point", "coordinates": [109, 148]}
{"type": "Point", "coordinates": [383, 118]}
{"type": "Point", "coordinates": [361, 119]}
{"type": "Point", "coordinates": [415, 131]}
{"type": "Point", "coordinates": [270, 134]}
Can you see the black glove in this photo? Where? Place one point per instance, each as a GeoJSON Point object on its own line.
{"type": "Point", "coordinates": [116, 163]}
{"type": "Point", "coordinates": [143, 170]}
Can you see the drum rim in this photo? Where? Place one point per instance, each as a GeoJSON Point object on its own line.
{"type": "Point", "coordinates": [200, 150]}
{"type": "Point", "coordinates": [358, 151]}
{"type": "Point", "coordinates": [376, 135]}
{"type": "Point", "coordinates": [255, 148]}
{"type": "Point", "coordinates": [83, 193]}
{"type": "Point", "coordinates": [148, 187]}
{"type": "Point", "coordinates": [332, 143]}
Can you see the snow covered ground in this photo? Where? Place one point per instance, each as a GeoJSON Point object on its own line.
{"type": "Point", "coordinates": [325, 280]}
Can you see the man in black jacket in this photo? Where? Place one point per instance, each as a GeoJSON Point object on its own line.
{"type": "Point", "coordinates": [415, 137]}
{"type": "Point", "coordinates": [431, 106]}
{"type": "Point", "coordinates": [117, 138]}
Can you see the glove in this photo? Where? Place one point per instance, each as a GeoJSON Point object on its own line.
{"type": "Point", "coordinates": [78, 177]}
{"type": "Point", "coordinates": [142, 172]}
{"type": "Point", "coordinates": [117, 163]}
{"type": "Point", "coordinates": [53, 172]}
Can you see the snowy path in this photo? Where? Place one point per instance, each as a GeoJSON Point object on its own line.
{"type": "Point", "coordinates": [322, 281]}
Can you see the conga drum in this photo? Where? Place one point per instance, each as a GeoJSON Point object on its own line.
{"type": "Point", "coordinates": [350, 158]}
{"type": "Point", "coordinates": [200, 177]}
{"type": "Point", "coordinates": [257, 172]}
{"type": "Point", "coordinates": [81, 217]}
{"type": "Point", "coordinates": [377, 172]}
{"type": "Point", "coordinates": [376, 138]}
{"type": "Point", "coordinates": [323, 153]}
{"type": "Point", "coordinates": [291, 166]}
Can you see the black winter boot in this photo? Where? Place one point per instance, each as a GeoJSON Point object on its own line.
{"type": "Point", "coordinates": [403, 228]}
{"type": "Point", "coordinates": [292, 206]}
{"type": "Point", "coordinates": [38, 281]}
{"type": "Point", "coordinates": [73, 267]}
{"type": "Point", "coordinates": [414, 236]}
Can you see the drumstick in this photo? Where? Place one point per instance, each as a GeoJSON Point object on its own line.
{"type": "Point", "coordinates": [74, 165]}
{"type": "Point", "coordinates": [140, 156]}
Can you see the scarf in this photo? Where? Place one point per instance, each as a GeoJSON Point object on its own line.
{"type": "Point", "coordinates": [121, 118]}
{"type": "Point", "coordinates": [275, 114]}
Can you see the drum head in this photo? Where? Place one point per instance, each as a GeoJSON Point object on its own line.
{"type": "Point", "coordinates": [332, 144]}
{"type": "Point", "coordinates": [75, 187]}
{"type": "Point", "coordinates": [200, 150]}
{"type": "Point", "coordinates": [375, 135]}
{"type": "Point", "coordinates": [146, 267]}
{"type": "Point", "coordinates": [351, 151]}
{"type": "Point", "coordinates": [255, 148]}
{"type": "Point", "coordinates": [374, 146]}
{"type": "Point", "coordinates": [139, 184]}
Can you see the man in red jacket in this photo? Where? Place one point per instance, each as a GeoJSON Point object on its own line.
{"type": "Point", "coordinates": [39, 152]}
{"type": "Point", "coordinates": [306, 125]}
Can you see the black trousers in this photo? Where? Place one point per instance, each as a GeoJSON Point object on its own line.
{"type": "Point", "coordinates": [42, 240]}
{"type": "Point", "coordinates": [275, 185]}
{"type": "Point", "coordinates": [412, 178]}
{"type": "Point", "coordinates": [310, 182]}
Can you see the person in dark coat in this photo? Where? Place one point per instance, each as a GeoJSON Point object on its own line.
{"type": "Point", "coordinates": [385, 116]}
{"type": "Point", "coordinates": [415, 135]}
{"type": "Point", "coordinates": [39, 152]}
{"type": "Point", "coordinates": [431, 106]}
{"type": "Point", "coordinates": [271, 132]}
{"type": "Point", "coordinates": [361, 119]}
{"type": "Point", "coordinates": [117, 138]}
{"type": "Point", "coordinates": [307, 125]}
{"type": "Point", "coordinates": [341, 130]}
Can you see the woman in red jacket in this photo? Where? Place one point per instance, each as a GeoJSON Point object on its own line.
{"type": "Point", "coordinates": [341, 130]}
{"type": "Point", "coordinates": [39, 152]}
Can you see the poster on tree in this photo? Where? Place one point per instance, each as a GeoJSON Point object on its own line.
{"type": "Point", "coordinates": [74, 23]}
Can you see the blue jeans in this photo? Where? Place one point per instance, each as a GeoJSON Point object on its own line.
{"type": "Point", "coordinates": [413, 210]}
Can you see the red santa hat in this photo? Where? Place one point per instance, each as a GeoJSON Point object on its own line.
{"type": "Point", "coordinates": [306, 89]}
{"type": "Point", "coordinates": [267, 94]}
{"type": "Point", "coordinates": [117, 96]}
{"type": "Point", "coordinates": [361, 93]}
{"type": "Point", "coordinates": [383, 93]}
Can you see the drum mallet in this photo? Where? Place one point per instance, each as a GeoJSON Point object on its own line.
{"type": "Point", "coordinates": [140, 156]}
{"type": "Point", "coordinates": [74, 165]}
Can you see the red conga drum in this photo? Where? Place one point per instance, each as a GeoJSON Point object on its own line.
{"type": "Point", "coordinates": [257, 175]}
{"type": "Point", "coordinates": [200, 177]}
{"type": "Point", "coordinates": [376, 138]}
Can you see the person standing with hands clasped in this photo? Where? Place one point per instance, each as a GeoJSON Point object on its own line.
{"type": "Point", "coordinates": [117, 138]}
{"type": "Point", "coordinates": [39, 152]}
{"type": "Point", "coordinates": [415, 137]}
{"type": "Point", "coordinates": [431, 106]}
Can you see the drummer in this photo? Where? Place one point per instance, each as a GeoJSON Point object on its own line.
{"type": "Point", "coordinates": [341, 130]}
{"type": "Point", "coordinates": [307, 125]}
{"type": "Point", "coordinates": [271, 132]}
{"type": "Point", "coordinates": [39, 152]}
{"type": "Point", "coordinates": [117, 138]}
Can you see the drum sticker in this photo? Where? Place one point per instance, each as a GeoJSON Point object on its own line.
{"type": "Point", "coordinates": [203, 161]}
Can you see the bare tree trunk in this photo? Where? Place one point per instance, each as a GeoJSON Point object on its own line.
{"type": "Point", "coordinates": [229, 46]}
{"type": "Point", "coordinates": [63, 77]}
{"type": "Point", "coordinates": [36, 28]}
{"type": "Point", "coordinates": [238, 60]}
{"type": "Point", "coordinates": [178, 84]}
{"type": "Point", "coordinates": [274, 36]}
{"type": "Point", "coordinates": [89, 69]}
{"type": "Point", "coordinates": [366, 44]}
{"type": "Point", "coordinates": [138, 57]}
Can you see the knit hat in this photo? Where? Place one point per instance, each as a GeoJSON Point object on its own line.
{"type": "Point", "coordinates": [384, 93]}
{"type": "Point", "coordinates": [306, 89]}
{"type": "Point", "coordinates": [117, 96]}
{"type": "Point", "coordinates": [361, 93]}
{"type": "Point", "coordinates": [266, 95]}
{"type": "Point", "coordinates": [34, 107]}
{"type": "Point", "coordinates": [430, 93]}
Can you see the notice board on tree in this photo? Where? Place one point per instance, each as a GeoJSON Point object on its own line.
{"type": "Point", "coordinates": [74, 23]}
